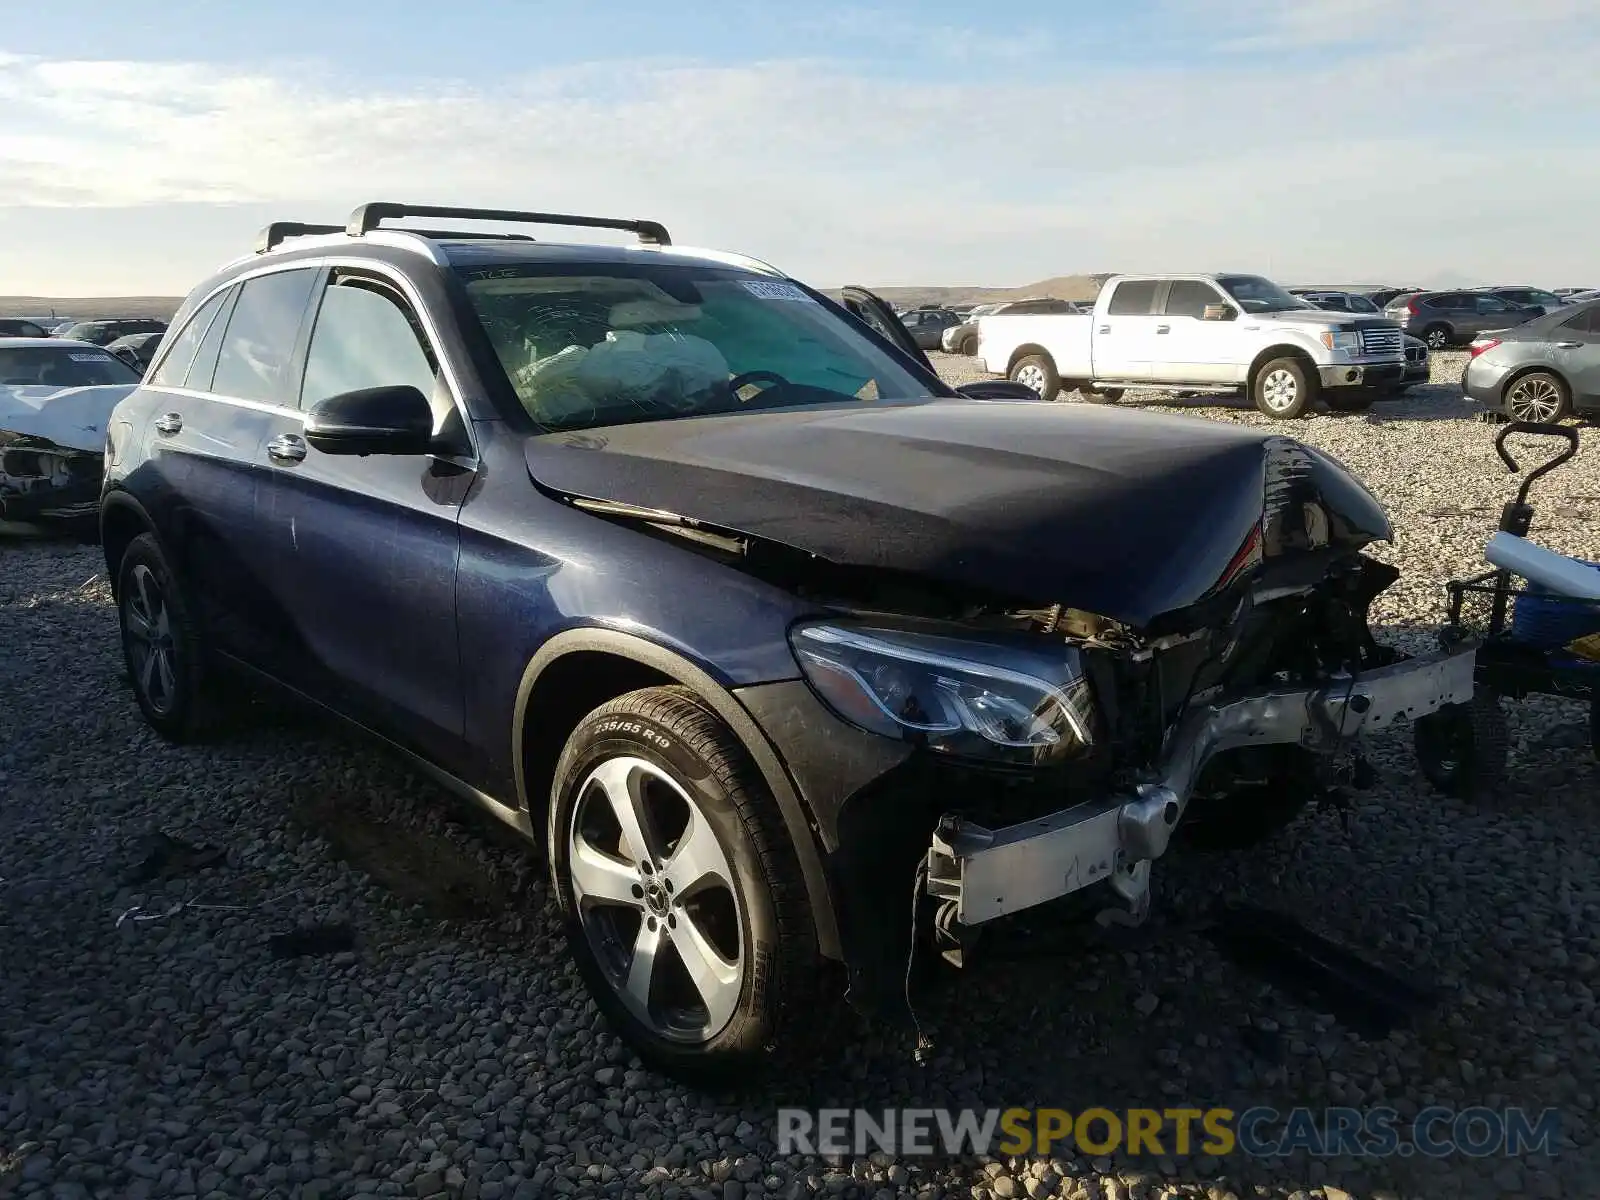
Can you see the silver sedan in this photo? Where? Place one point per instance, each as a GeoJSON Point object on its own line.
{"type": "Point", "coordinates": [1541, 371]}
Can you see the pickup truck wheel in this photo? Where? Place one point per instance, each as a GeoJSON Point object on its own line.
{"type": "Point", "coordinates": [1037, 372]}
{"type": "Point", "coordinates": [969, 344]}
{"type": "Point", "coordinates": [1284, 389]}
{"type": "Point", "coordinates": [1096, 395]}
{"type": "Point", "coordinates": [681, 895]}
{"type": "Point", "coordinates": [1437, 337]}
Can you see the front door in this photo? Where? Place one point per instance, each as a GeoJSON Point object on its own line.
{"type": "Point", "coordinates": [365, 547]}
{"type": "Point", "coordinates": [1125, 340]}
{"type": "Point", "coordinates": [1193, 350]}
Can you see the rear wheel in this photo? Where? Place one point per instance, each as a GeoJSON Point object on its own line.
{"type": "Point", "coordinates": [969, 344]}
{"type": "Point", "coordinates": [681, 894]}
{"type": "Point", "coordinates": [1437, 336]}
{"type": "Point", "coordinates": [163, 646]}
{"type": "Point", "coordinates": [1463, 748]}
{"type": "Point", "coordinates": [1537, 396]}
{"type": "Point", "coordinates": [1284, 389]}
{"type": "Point", "coordinates": [1038, 372]}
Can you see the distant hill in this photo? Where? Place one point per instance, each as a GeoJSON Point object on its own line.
{"type": "Point", "coordinates": [83, 308]}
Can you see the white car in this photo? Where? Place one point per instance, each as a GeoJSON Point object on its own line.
{"type": "Point", "coordinates": [1200, 333]}
{"type": "Point", "coordinates": [56, 397]}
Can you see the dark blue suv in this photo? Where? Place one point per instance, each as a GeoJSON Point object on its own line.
{"type": "Point", "coordinates": [790, 654]}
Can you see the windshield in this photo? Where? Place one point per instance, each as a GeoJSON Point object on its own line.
{"type": "Point", "coordinates": [1258, 295]}
{"type": "Point", "coordinates": [49, 366]}
{"type": "Point", "coordinates": [609, 344]}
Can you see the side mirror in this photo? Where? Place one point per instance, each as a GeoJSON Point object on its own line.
{"type": "Point", "coordinates": [1218, 312]}
{"type": "Point", "coordinates": [996, 389]}
{"type": "Point", "coordinates": [379, 420]}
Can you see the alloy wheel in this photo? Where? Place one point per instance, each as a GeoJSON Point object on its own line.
{"type": "Point", "coordinates": [1279, 390]}
{"type": "Point", "coordinates": [1535, 398]}
{"type": "Point", "coordinates": [1438, 339]}
{"type": "Point", "coordinates": [1032, 376]}
{"type": "Point", "coordinates": [147, 630]}
{"type": "Point", "coordinates": [656, 897]}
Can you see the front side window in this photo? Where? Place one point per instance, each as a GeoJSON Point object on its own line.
{"type": "Point", "coordinates": [61, 367]}
{"type": "Point", "coordinates": [1360, 304]}
{"type": "Point", "coordinates": [253, 363]}
{"type": "Point", "coordinates": [1488, 304]}
{"type": "Point", "coordinates": [174, 366]}
{"type": "Point", "coordinates": [602, 344]}
{"type": "Point", "coordinates": [1135, 298]}
{"type": "Point", "coordinates": [1257, 295]}
{"type": "Point", "coordinates": [364, 338]}
{"type": "Point", "coordinates": [1189, 298]}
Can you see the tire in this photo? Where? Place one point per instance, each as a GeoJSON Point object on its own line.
{"type": "Point", "coordinates": [1463, 748]}
{"type": "Point", "coordinates": [969, 344]}
{"type": "Point", "coordinates": [168, 663]}
{"type": "Point", "coordinates": [1352, 401]}
{"type": "Point", "coordinates": [1038, 372]}
{"type": "Point", "coordinates": [1102, 395]}
{"type": "Point", "coordinates": [1438, 337]}
{"type": "Point", "coordinates": [1537, 396]}
{"type": "Point", "coordinates": [749, 927]}
{"type": "Point", "coordinates": [1284, 389]}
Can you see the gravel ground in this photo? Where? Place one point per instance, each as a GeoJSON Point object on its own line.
{"type": "Point", "coordinates": [451, 1051]}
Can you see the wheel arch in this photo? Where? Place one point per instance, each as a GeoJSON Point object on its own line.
{"type": "Point", "coordinates": [122, 518]}
{"type": "Point", "coordinates": [1026, 349]}
{"type": "Point", "coordinates": [577, 670]}
{"type": "Point", "coordinates": [1531, 369]}
{"type": "Point", "coordinates": [1280, 350]}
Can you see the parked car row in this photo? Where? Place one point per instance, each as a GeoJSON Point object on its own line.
{"type": "Point", "coordinates": [680, 604]}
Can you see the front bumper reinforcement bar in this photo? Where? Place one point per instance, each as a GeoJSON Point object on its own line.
{"type": "Point", "coordinates": [991, 872]}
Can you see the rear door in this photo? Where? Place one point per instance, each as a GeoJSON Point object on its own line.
{"type": "Point", "coordinates": [364, 548]}
{"type": "Point", "coordinates": [1124, 345]}
{"type": "Point", "coordinates": [215, 390]}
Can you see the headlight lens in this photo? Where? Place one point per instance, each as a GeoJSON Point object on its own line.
{"type": "Point", "coordinates": [953, 695]}
{"type": "Point", "coordinates": [1349, 342]}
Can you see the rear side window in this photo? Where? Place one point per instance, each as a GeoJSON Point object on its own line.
{"type": "Point", "coordinates": [1587, 321]}
{"type": "Point", "coordinates": [258, 348]}
{"type": "Point", "coordinates": [174, 368]}
{"type": "Point", "coordinates": [1189, 297]}
{"type": "Point", "coordinates": [1134, 298]}
{"type": "Point", "coordinates": [364, 338]}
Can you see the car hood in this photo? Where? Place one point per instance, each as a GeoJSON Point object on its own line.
{"type": "Point", "coordinates": [1127, 515]}
{"type": "Point", "coordinates": [73, 417]}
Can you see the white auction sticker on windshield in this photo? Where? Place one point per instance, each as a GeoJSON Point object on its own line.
{"type": "Point", "coordinates": [775, 291]}
{"type": "Point", "coordinates": [88, 357]}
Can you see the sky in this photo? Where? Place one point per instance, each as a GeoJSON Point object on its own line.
{"type": "Point", "coordinates": [929, 142]}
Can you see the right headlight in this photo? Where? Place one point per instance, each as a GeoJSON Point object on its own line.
{"type": "Point", "coordinates": [958, 696]}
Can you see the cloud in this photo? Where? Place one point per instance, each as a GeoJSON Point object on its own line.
{"type": "Point", "coordinates": [1280, 141]}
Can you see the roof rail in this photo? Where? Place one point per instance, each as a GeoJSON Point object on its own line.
{"type": "Point", "coordinates": [366, 218]}
{"type": "Point", "coordinates": [276, 232]}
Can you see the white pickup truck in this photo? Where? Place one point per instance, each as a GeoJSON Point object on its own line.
{"type": "Point", "coordinates": [1200, 333]}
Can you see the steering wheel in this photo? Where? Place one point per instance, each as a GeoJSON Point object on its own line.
{"type": "Point", "coordinates": [770, 378]}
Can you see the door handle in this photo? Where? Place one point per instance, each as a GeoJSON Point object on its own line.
{"type": "Point", "coordinates": [1569, 345]}
{"type": "Point", "coordinates": [1105, 329]}
{"type": "Point", "coordinates": [168, 423]}
{"type": "Point", "coordinates": [287, 447]}
{"type": "Point", "coordinates": [1163, 328]}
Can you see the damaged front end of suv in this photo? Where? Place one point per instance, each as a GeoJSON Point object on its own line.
{"type": "Point", "coordinates": [1043, 645]}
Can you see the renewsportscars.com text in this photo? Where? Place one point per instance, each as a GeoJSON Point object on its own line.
{"type": "Point", "coordinates": [1259, 1132]}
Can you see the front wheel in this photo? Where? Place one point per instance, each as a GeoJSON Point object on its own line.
{"type": "Point", "coordinates": [1463, 748]}
{"type": "Point", "coordinates": [680, 892]}
{"type": "Point", "coordinates": [1284, 389]}
{"type": "Point", "coordinates": [1038, 372]}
